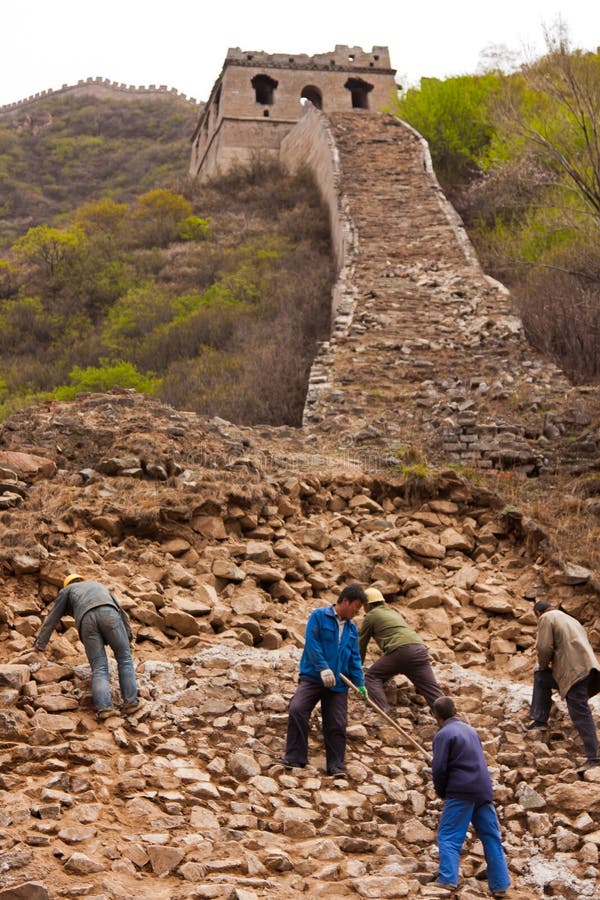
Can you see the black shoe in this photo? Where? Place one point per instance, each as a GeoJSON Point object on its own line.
{"type": "Point", "coordinates": [589, 764]}
{"type": "Point", "coordinates": [533, 725]}
{"type": "Point", "coordinates": [289, 765]}
{"type": "Point", "coordinates": [498, 893]}
{"type": "Point", "coordinates": [336, 773]}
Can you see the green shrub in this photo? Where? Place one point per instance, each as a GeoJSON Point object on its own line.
{"type": "Point", "coordinates": [109, 374]}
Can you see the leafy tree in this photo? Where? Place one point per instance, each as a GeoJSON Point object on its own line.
{"type": "Point", "coordinates": [551, 114]}
{"type": "Point", "coordinates": [105, 217]}
{"type": "Point", "coordinates": [158, 215]}
{"type": "Point", "coordinates": [46, 251]}
{"type": "Point", "coordinates": [453, 116]}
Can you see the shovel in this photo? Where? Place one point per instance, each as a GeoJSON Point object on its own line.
{"type": "Point", "coordinates": [389, 720]}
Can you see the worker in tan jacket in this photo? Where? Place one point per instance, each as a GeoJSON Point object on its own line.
{"type": "Point", "coordinates": [567, 662]}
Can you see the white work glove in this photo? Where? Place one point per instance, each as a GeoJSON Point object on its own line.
{"type": "Point", "coordinates": [328, 678]}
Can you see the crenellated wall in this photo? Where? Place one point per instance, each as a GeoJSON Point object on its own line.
{"type": "Point", "coordinates": [100, 87]}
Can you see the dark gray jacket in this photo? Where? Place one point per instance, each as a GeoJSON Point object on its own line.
{"type": "Point", "coordinates": [77, 599]}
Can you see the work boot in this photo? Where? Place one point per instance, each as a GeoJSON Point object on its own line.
{"type": "Point", "coordinates": [107, 713]}
{"type": "Point", "coordinates": [533, 725]}
{"type": "Point", "coordinates": [130, 708]}
{"type": "Point", "coordinates": [589, 764]}
{"type": "Point", "coordinates": [282, 761]}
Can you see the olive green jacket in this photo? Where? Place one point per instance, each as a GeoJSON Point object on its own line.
{"type": "Point", "coordinates": [387, 627]}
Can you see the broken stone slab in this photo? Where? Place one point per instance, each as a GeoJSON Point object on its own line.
{"type": "Point", "coordinates": [421, 545]}
{"type": "Point", "coordinates": [211, 527]}
{"type": "Point", "coordinates": [74, 834]}
{"type": "Point", "coordinates": [377, 887]}
{"type": "Point", "coordinates": [297, 823]}
{"type": "Point", "coordinates": [118, 465]}
{"type": "Point", "coordinates": [27, 466]}
{"type": "Point", "coordinates": [259, 551]}
{"type": "Point", "coordinates": [181, 622]}
{"type": "Point", "coordinates": [227, 570]}
{"type": "Point", "coordinates": [56, 703]}
{"type": "Point", "coordinates": [243, 766]}
{"type": "Point", "coordinates": [182, 577]}
{"type": "Point", "coordinates": [27, 890]}
{"type": "Point", "coordinates": [14, 675]}
{"type": "Point", "coordinates": [164, 859]}
{"type": "Point", "coordinates": [80, 864]}
{"type": "Point", "coordinates": [261, 572]}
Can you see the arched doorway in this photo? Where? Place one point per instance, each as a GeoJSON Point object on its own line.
{"type": "Point", "coordinates": [312, 94]}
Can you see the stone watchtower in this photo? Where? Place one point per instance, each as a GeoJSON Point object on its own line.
{"type": "Point", "coordinates": [258, 98]}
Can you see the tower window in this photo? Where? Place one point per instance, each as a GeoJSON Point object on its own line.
{"type": "Point", "coordinates": [359, 91]}
{"type": "Point", "coordinates": [264, 88]}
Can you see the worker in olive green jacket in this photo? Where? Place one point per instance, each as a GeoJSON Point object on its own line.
{"type": "Point", "coordinates": [404, 653]}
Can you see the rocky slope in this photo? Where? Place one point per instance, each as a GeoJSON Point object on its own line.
{"type": "Point", "coordinates": [219, 541]}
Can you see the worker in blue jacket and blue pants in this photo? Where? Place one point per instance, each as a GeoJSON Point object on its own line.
{"type": "Point", "coordinates": [330, 649]}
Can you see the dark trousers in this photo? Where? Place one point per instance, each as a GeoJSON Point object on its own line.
{"type": "Point", "coordinates": [411, 660]}
{"type": "Point", "coordinates": [334, 712]}
{"type": "Point", "coordinates": [577, 703]}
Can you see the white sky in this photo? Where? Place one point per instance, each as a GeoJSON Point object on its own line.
{"type": "Point", "coordinates": [182, 43]}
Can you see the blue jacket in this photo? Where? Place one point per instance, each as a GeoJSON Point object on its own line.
{"type": "Point", "coordinates": [459, 768]}
{"type": "Point", "coordinates": [324, 650]}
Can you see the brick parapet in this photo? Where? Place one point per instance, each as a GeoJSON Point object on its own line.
{"type": "Point", "coordinates": [100, 87]}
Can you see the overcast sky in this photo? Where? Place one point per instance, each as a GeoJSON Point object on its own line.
{"type": "Point", "coordinates": [182, 43]}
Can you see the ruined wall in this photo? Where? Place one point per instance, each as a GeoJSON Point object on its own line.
{"type": "Point", "coordinates": [425, 348]}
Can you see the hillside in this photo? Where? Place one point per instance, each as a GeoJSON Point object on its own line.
{"type": "Point", "coordinates": [64, 149]}
{"type": "Point", "coordinates": [219, 540]}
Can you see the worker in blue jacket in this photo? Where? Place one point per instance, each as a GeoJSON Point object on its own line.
{"type": "Point", "coordinates": [461, 778]}
{"type": "Point", "coordinates": [330, 649]}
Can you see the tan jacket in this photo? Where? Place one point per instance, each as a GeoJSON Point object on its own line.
{"type": "Point", "coordinates": [563, 645]}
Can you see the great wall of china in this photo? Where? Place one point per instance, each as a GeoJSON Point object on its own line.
{"type": "Point", "coordinates": [99, 87]}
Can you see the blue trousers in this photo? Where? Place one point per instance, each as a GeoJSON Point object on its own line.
{"type": "Point", "coordinates": [100, 626]}
{"type": "Point", "coordinates": [456, 817]}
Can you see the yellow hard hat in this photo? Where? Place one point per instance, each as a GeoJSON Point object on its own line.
{"type": "Point", "coordinates": [72, 577]}
{"type": "Point", "coordinates": [374, 596]}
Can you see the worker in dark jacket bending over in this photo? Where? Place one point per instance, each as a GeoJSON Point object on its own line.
{"type": "Point", "coordinates": [462, 779]}
{"type": "Point", "coordinates": [100, 621]}
{"type": "Point", "coordinates": [404, 653]}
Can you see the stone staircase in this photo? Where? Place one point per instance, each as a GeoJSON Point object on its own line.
{"type": "Point", "coordinates": [433, 355]}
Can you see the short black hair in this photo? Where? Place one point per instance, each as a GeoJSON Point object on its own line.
{"type": "Point", "coordinates": [541, 606]}
{"type": "Point", "coordinates": [444, 708]}
{"type": "Point", "coordinates": [353, 592]}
